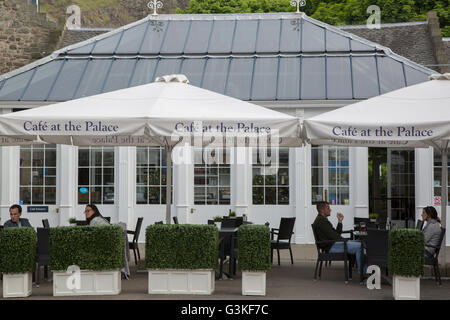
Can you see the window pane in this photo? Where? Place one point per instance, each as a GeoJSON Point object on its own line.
{"type": "Point", "coordinates": [283, 195]}
{"type": "Point", "coordinates": [96, 178]}
{"type": "Point", "coordinates": [141, 176]}
{"type": "Point", "coordinates": [224, 176]}
{"type": "Point", "coordinates": [271, 195]}
{"type": "Point", "coordinates": [154, 177]}
{"type": "Point", "coordinates": [25, 195]}
{"type": "Point", "coordinates": [258, 177]}
{"type": "Point", "coordinates": [332, 177]}
{"type": "Point", "coordinates": [96, 157]}
{"type": "Point", "coordinates": [224, 196]}
{"type": "Point", "coordinates": [343, 196]}
{"type": "Point", "coordinates": [83, 157]}
{"type": "Point", "coordinates": [25, 176]}
{"type": "Point", "coordinates": [25, 157]}
{"type": "Point", "coordinates": [141, 195]}
{"type": "Point", "coordinates": [317, 156]}
{"type": "Point", "coordinates": [50, 157]}
{"type": "Point", "coordinates": [108, 157]}
{"type": "Point", "coordinates": [317, 194]}
{"type": "Point", "coordinates": [108, 176]}
{"type": "Point", "coordinates": [38, 157]}
{"type": "Point", "coordinates": [154, 195]}
{"type": "Point", "coordinates": [50, 195]}
{"type": "Point", "coordinates": [96, 195]}
{"type": "Point", "coordinates": [284, 157]}
{"type": "Point", "coordinates": [212, 196]}
{"type": "Point", "coordinates": [108, 195]}
{"type": "Point", "coordinates": [83, 176]}
{"type": "Point", "coordinates": [343, 176]}
{"type": "Point", "coordinates": [38, 195]}
{"type": "Point", "coordinates": [317, 176]}
{"type": "Point", "coordinates": [141, 157]}
{"type": "Point", "coordinates": [38, 176]}
{"type": "Point", "coordinates": [83, 198]}
{"type": "Point", "coordinates": [258, 195]}
{"type": "Point", "coordinates": [199, 195]}
{"type": "Point", "coordinates": [283, 176]}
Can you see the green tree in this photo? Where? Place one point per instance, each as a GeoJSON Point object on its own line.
{"type": "Point", "coordinates": [336, 12]}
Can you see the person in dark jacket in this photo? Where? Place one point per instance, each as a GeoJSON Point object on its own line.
{"type": "Point", "coordinates": [325, 231]}
{"type": "Point", "coordinates": [15, 211]}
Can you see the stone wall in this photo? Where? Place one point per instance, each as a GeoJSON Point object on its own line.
{"type": "Point", "coordinates": [440, 49]}
{"type": "Point", "coordinates": [25, 35]}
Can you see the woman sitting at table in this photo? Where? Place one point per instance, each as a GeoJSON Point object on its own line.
{"type": "Point", "coordinates": [432, 229]}
{"type": "Point", "coordinates": [93, 216]}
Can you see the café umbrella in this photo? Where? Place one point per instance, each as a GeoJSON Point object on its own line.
{"type": "Point", "coordinates": [411, 117]}
{"type": "Point", "coordinates": [167, 113]}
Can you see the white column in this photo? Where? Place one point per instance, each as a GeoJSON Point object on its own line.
{"type": "Point", "coordinates": [241, 181]}
{"type": "Point", "coordinates": [10, 175]}
{"type": "Point", "coordinates": [298, 188]}
{"type": "Point", "coordinates": [359, 181]}
{"type": "Point", "coordinates": [423, 179]}
{"type": "Point", "coordinates": [125, 185]}
{"type": "Point", "coordinates": [183, 183]}
{"type": "Point", "coordinates": [67, 182]}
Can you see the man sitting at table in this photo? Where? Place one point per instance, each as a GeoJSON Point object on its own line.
{"type": "Point", "coordinates": [325, 231]}
{"type": "Point", "coordinates": [15, 211]}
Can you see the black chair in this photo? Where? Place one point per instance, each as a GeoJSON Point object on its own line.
{"type": "Point", "coordinates": [210, 221]}
{"type": "Point", "coordinates": [134, 243]}
{"type": "Point", "coordinates": [284, 234]}
{"type": "Point", "coordinates": [43, 252]}
{"type": "Point", "coordinates": [376, 245]}
{"type": "Point", "coordinates": [81, 223]}
{"type": "Point", "coordinates": [107, 219]}
{"type": "Point", "coordinates": [175, 220]}
{"type": "Point", "coordinates": [323, 254]}
{"type": "Point", "coordinates": [45, 223]}
{"type": "Point", "coordinates": [159, 222]}
{"type": "Point", "coordinates": [432, 260]}
{"type": "Point", "coordinates": [419, 224]}
{"type": "Point", "coordinates": [228, 249]}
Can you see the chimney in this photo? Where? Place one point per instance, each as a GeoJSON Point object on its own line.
{"type": "Point", "coordinates": [440, 49]}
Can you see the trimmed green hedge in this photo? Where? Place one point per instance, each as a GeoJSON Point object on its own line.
{"type": "Point", "coordinates": [406, 252]}
{"type": "Point", "coordinates": [17, 250]}
{"type": "Point", "coordinates": [181, 246]}
{"type": "Point", "coordinates": [88, 247]}
{"type": "Point", "coordinates": [254, 248]}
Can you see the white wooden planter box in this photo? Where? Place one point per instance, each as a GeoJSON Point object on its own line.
{"type": "Point", "coordinates": [16, 285]}
{"type": "Point", "coordinates": [167, 281]}
{"type": "Point", "coordinates": [406, 288]}
{"type": "Point", "coordinates": [253, 283]}
{"type": "Point", "coordinates": [91, 283]}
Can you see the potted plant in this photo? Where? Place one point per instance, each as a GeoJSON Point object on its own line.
{"type": "Point", "coordinates": [218, 221]}
{"type": "Point", "coordinates": [73, 221]}
{"type": "Point", "coordinates": [232, 214]}
{"type": "Point", "coordinates": [254, 258]}
{"type": "Point", "coordinates": [96, 253]}
{"type": "Point", "coordinates": [373, 217]}
{"type": "Point", "coordinates": [181, 259]}
{"type": "Point", "coordinates": [406, 259]}
{"type": "Point", "coordinates": [17, 260]}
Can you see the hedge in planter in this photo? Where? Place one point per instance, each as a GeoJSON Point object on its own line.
{"type": "Point", "coordinates": [88, 247]}
{"type": "Point", "coordinates": [17, 250]}
{"type": "Point", "coordinates": [406, 252]}
{"type": "Point", "coordinates": [254, 248]}
{"type": "Point", "coordinates": [181, 246]}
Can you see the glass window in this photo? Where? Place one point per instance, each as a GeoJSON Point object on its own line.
{"type": "Point", "coordinates": [212, 176]}
{"type": "Point", "coordinates": [438, 176]}
{"type": "Point", "coordinates": [270, 176]}
{"type": "Point", "coordinates": [151, 169]}
{"type": "Point", "coordinates": [330, 179]}
{"type": "Point", "coordinates": [96, 175]}
{"type": "Point", "coordinates": [38, 174]}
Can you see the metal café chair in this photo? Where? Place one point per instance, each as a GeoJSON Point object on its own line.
{"type": "Point", "coordinates": [43, 252]}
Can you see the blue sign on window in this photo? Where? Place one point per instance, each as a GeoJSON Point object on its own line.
{"type": "Point", "coordinates": [84, 190]}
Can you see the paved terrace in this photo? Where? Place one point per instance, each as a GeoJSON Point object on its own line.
{"type": "Point", "coordinates": [285, 282]}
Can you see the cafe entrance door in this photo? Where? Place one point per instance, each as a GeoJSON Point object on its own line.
{"type": "Point", "coordinates": [392, 186]}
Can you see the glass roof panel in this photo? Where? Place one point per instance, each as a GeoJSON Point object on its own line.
{"type": "Point", "coordinates": [337, 42]}
{"type": "Point", "coordinates": [216, 71]}
{"type": "Point", "coordinates": [290, 35]}
{"type": "Point", "coordinates": [144, 72]}
{"type": "Point", "coordinates": [132, 39]}
{"type": "Point", "coordinates": [339, 79]}
{"type": "Point", "coordinates": [68, 80]}
{"type": "Point", "coordinates": [222, 36]}
{"type": "Point", "coordinates": [176, 37]}
{"type": "Point", "coordinates": [414, 76]}
{"type": "Point", "coordinates": [13, 87]}
{"type": "Point", "coordinates": [154, 36]}
{"type": "Point", "coordinates": [193, 69]}
{"type": "Point", "coordinates": [198, 37]}
{"type": "Point", "coordinates": [42, 81]}
{"type": "Point", "coordinates": [391, 74]}
{"type": "Point", "coordinates": [265, 79]}
{"type": "Point", "coordinates": [313, 38]}
{"type": "Point", "coordinates": [107, 45]}
{"type": "Point", "coordinates": [240, 78]}
{"type": "Point", "coordinates": [94, 78]}
{"type": "Point", "coordinates": [365, 80]}
{"type": "Point", "coordinates": [245, 36]}
{"type": "Point", "coordinates": [313, 78]}
{"type": "Point", "coordinates": [289, 79]}
{"type": "Point", "coordinates": [166, 67]}
{"type": "Point", "coordinates": [120, 74]}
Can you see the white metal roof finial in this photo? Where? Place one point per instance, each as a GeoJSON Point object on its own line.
{"type": "Point", "coordinates": [155, 4]}
{"type": "Point", "coordinates": [298, 3]}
